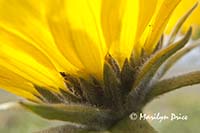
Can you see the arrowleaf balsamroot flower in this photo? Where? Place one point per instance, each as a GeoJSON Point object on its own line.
{"type": "Point", "coordinates": [101, 56]}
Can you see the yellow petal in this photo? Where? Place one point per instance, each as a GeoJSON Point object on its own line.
{"type": "Point", "coordinates": [9, 78]}
{"type": "Point", "coordinates": [145, 15]}
{"type": "Point", "coordinates": [64, 41]}
{"type": "Point", "coordinates": [26, 66]}
{"type": "Point", "coordinates": [75, 25]}
{"type": "Point", "coordinates": [16, 84]}
{"type": "Point", "coordinates": [30, 73]}
{"type": "Point", "coordinates": [20, 92]}
{"type": "Point", "coordinates": [181, 9]}
{"type": "Point", "coordinates": [123, 22]}
{"type": "Point", "coordinates": [17, 41]}
{"type": "Point", "coordinates": [111, 16]}
{"type": "Point", "coordinates": [128, 21]}
{"type": "Point", "coordinates": [159, 23]}
{"type": "Point", "coordinates": [28, 19]}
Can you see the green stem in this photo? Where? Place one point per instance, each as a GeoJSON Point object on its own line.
{"type": "Point", "coordinates": [174, 83]}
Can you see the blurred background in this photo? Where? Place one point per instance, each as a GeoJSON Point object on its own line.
{"type": "Point", "coordinates": [185, 101]}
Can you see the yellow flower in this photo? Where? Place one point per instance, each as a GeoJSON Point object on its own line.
{"type": "Point", "coordinates": [41, 38]}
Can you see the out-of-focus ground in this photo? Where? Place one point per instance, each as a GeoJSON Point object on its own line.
{"type": "Point", "coordinates": [184, 101]}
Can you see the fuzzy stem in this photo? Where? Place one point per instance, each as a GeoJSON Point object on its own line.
{"type": "Point", "coordinates": [174, 83]}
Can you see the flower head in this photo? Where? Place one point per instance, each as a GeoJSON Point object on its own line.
{"type": "Point", "coordinates": [104, 57]}
{"type": "Point", "coordinates": [52, 46]}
